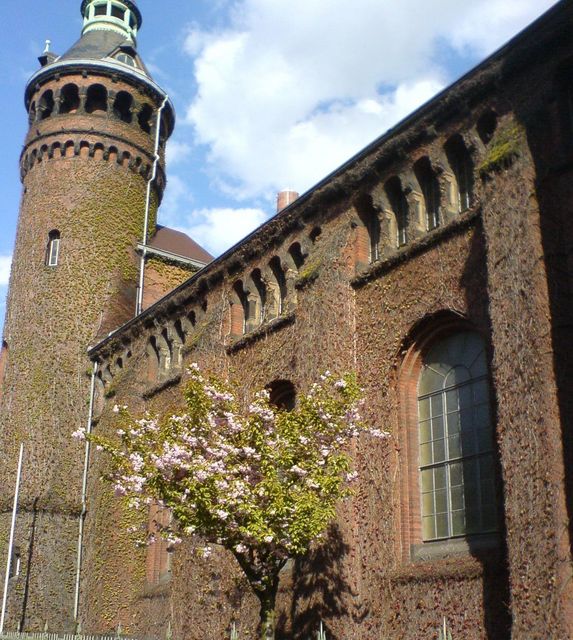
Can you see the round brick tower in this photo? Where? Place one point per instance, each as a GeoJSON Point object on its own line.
{"type": "Point", "coordinates": [86, 164]}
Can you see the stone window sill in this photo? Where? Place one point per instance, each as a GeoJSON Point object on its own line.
{"type": "Point", "coordinates": [418, 246]}
{"type": "Point", "coordinates": [470, 546]}
{"type": "Point", "coordinates": [449, 559]}
{"type": "Point", "coordinates": [261, 332]}
{"type": "Point", "coordinates": [161, 386]}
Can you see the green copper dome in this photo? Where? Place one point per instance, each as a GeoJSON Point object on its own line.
{"type": "Point", "coordinates": [120, 16]}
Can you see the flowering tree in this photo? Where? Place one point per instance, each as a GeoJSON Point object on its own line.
{"type": "Point", "coordinates": [261, 482]}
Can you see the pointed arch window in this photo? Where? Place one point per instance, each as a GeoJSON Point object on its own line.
{"type": "Point", "coordinates": [53, 249]}
{"type": "Point", "coordinates": [456, 448]}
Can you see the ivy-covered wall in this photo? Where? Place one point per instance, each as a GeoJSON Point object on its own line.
{"type": "Point", "coordinates": [84, 175]}
{"type": "Point", "coordinates": [501, 267]}
{"type": "Point", "coordinates": [491, 268]}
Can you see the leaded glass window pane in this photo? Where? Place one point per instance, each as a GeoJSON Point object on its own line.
{"type": "Point", "coordinates": [456, 440]}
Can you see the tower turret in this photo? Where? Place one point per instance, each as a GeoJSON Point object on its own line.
{"type": "Point", "coordinates": [86, 167]}
{"type": "Point", "coordinates": [121, 16]}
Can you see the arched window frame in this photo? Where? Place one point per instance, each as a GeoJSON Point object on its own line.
{"type": "Point", "coordinates": [461, 163]}
{"type": "Point", "coordinates": [368, 231]}
{"type": "Point", "coordinates": [399, 206]}
{"type": "Point", "coordinates": [46, 104]}
{"type": "Point", "coordinates": [144, 117]}
{"type": "Point", "coordinates": [428, 180]}
{"type": "Point", "coordinates": [259, 300]}
{"type": "Point", "coordinates": [412, 545]}
{"type": "Point", "coordinates": [282, 394]}
{"type": "Point", "coordinates": [96, 99]}
{"type": "Point", "coordinates": [240, 310]}
{"type": "Point", "coordinates": [486, 126]}
{"type": "Point", "coordinates": [277, 294]}
{"type": "Point", "coordinates": [122, 106]}
{"type": "Point", "coordinates": [69, 99]}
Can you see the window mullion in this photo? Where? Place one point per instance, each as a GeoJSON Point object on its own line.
{"type": "Point", "coordinates": [447, 465]}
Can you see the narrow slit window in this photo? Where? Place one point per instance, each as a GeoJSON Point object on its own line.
{"type": "Point", "coordinates": [16, 563]}
{"type": "Point", "coordinates": [53, 250]}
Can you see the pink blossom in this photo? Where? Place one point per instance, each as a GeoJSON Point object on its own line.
{"type": "Point", "coordinates": [299, 471]}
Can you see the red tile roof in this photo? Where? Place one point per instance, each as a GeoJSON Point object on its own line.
{"type": "Point", "coordinates": [166, 239]}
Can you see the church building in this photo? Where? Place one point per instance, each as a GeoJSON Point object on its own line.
{"type": "Point", "coordinates": [437, 264]}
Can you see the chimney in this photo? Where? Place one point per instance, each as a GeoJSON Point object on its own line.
{"type": "Point", "coordinates": [284, 198]}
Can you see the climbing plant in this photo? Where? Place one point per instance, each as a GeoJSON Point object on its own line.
{"type": "Point", "coordinates": [260, 481]}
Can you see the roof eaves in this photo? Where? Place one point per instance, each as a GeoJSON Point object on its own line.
{"type": "Point", "coordinates": [417, 115]}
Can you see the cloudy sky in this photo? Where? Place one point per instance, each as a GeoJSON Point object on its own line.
{"type": "Point", "coordinates": [270, 94]}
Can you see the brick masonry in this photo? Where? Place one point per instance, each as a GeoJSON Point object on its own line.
{"type": "Point", "coordinates": [341, 295]}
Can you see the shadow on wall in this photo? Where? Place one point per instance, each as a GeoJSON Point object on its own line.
{"type": "Point", "coordinates": [29, 565]}
{"type": "Point", "coordinates": [495, 580]}
{"type": "Point", "coordinates": [319, 590]}
{"type": "Point", "coordinates": [550, 137]}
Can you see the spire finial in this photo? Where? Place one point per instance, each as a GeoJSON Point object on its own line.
{"type": "Point", "coordinates": [48, 44]}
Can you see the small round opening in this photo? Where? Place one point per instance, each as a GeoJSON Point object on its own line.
{"type": "Point", "coordinates": [282, 394]}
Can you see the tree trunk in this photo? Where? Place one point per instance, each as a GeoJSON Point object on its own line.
{"type": "Point", "coordinates": [268, 602]}
{"type": "Point", "coordinates": [268, 618]}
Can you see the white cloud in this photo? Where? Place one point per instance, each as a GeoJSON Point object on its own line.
{"type": "Point", "coordinates": [177, 200]}
{"type": "Point", "coordinates": [487, 24]}
{"type": "Point", "coordinates": [177, 152]}
{"type": "Point", "coordinates": [293, 88]}
{"type": "Point", "coordinates": [219, 229]}
{"type": "Point", "coordinates": [5, 263]}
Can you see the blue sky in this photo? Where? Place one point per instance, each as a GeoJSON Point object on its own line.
{"type": "Point", "coordinates": [269, 94]}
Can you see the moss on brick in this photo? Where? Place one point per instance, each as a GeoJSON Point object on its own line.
{"type": "Point", "coordinates": [503, 149]}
